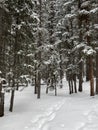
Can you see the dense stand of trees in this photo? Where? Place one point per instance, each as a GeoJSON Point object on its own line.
{"type": "Point", "coordinates": [47, 39]}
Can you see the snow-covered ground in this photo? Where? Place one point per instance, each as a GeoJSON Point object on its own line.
{"type": "Point", "coordinates": [62, 112]}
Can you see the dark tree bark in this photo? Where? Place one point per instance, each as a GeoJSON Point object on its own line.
{"type": "Point", "coordinates": [96, 71]}
{"type": "Point", "coordinates": [1, 100]}
{"type": "Point", "coordinates": [96, 38]}
{"type": "Point", "coordinates": [90, 57]}
{"type": "Point", "coordinates": [80, 55]}
{"type": "Point", "coordinates": [80, 89]}
{"type": "Point", "coordinates": [14, 67]}
{"type": "Point", "coordinates": [75, 85]}
{"type": "Point", "coordinates": [60, 64]}
{"type": "Point", "coordinates": [39, 53]}
{"type": "Point", "coordinates": [4, 19]}
{"type": "Point", "coordinates": [91, 76]}
{"type": "Point", "coordinates": [12, 100]}
{"type": "Point", "coordinates": [39, 85]}
{"type": "Point", "coordinates": [35, 82]}
{"type": "Point", "coordinates": [35, 85]}
{"type": "Point", "coordinates": [87, 69]}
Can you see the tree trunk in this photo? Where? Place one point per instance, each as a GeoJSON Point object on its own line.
{"type": "Point", "coordinates": [38, 85]}
{"type": "Point", "coordinates": [12, 95]}
{"type": "Point", "coordinates": [47, 90]}
{"type": "Point", "coordinates": [91, 77]}
{"type": "Point", "coordinates": [90, 57]}
{"type": "Point", "coordinates": [69, 86]}
{"type": "Point", "coordinates": [15, 66]}
{"type": "Point", "coordinates": [75, 85]}
{"type": "Point", "coordinates": [1, 100]}
{"type": "Point", "coordinates": [80, 40]}
{"type": "Point", "coordinates": [35, 82]}
{"type": "Point", "coordinates": [80, 89]}
{"type": "Point", "coordinates": [35, 85]}
{"type": "Point", "coordinates": [60, 64]}
{"type": "Point", "coordinates": [55, 90]}
{"type": "Point", "coordinates": [12, 100]}
{"type": "Point", "coordinates": [97, 72]}
{"type": "Point", "coordinates": [39, 53]}
{"type": "Point", "coordinates": [87, 69]}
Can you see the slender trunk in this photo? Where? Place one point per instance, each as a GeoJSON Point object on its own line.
{"type": "Point", "coordinates": [48, 83]}
{"type": "Point", "coordinates": [39, 85]}
{"type": "Point", "coordinates": [15, 61]}
{"type": "Point", "coordinates": [1, 100]}
{"type": "Point", "coordinates": [12, 96]}
{"type": "Point", "coordinates": [69, 86]}
{"type": "Point", "coordinates": [91, 69]}
{"type": "Point", "coordinates": [75, 85]}
{"type": "Point", "coordinates": [70, 82]}
{"type": "Point", "coordinates": [35, 83]}
{"type": "Point", "coordinates": [97, 72]}
{"type": "Point", "coordinates": [55, 90]}
{"type": "Point", "coordinates": [47, 90]}
{"type": "Point", "coordinates": [96, 36]}
{"type": "Point", "coordinates": [55, 86]}
{"type": "Point", "coordinates": [60, 64]}
{"type": "Point", "coordinates": [17, 85]}
{"type": "Point", "coordinates": [87, 69]}
{"type": "Point", "coordinates": [91, 77]}
{"type": "Point", "coordinates": [39, 53]}
{"type": "Point", "coordinates": [12, 100]}
{"type": "Point", "coordinates": [80, 89]}
{"type": "Point", "coordinates": [80, 55]}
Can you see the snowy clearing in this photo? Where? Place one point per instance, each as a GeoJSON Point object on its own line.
{"type": "Point", "coordinates": [62, 112]}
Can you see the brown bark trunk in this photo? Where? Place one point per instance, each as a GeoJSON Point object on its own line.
{"type": "Point", "coordinates": [91, 77]}
{"type": "Point", "coordinates": [97, 72]}
{"type": "Point", "coordinates": [91, 71]}
{"type": "Point", "coordinates": [80, 40]}
{"type": "Point", "coordinates": [87, 69]}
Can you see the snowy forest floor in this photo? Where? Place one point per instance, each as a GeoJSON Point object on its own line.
{"type": "Point", "coordinates": [63, 112]}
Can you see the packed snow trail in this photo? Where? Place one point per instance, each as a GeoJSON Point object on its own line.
{"type": "Point", "coordinates": [76, 114]}
{"type": "Point", "coordinates": [41, 121]}
{"type": "Point", "coordinates": [27, 108]}
{"type": "Point", "coordinates": [73, 112]}
{"type": "Point", "coordinates": [62, 112]}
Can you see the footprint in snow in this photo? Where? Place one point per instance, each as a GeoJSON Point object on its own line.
{"type": "Point", "coordinates": [91, 122]}
{"type": "Point", "coordinates": [42, 121]}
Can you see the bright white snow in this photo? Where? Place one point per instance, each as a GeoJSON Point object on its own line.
{"type": "Point", "coordinates": [62, 112]}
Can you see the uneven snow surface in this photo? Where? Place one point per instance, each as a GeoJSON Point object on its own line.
{"type": "Point", "coordinates": [63, 112]}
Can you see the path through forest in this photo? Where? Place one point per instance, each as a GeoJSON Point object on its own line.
{"type": "Point", "coordinates": [72, 112]}
{"type": "Point", "coordinates": [63, 112]}
{"type": "Point", "coordinates": [75, 112]}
